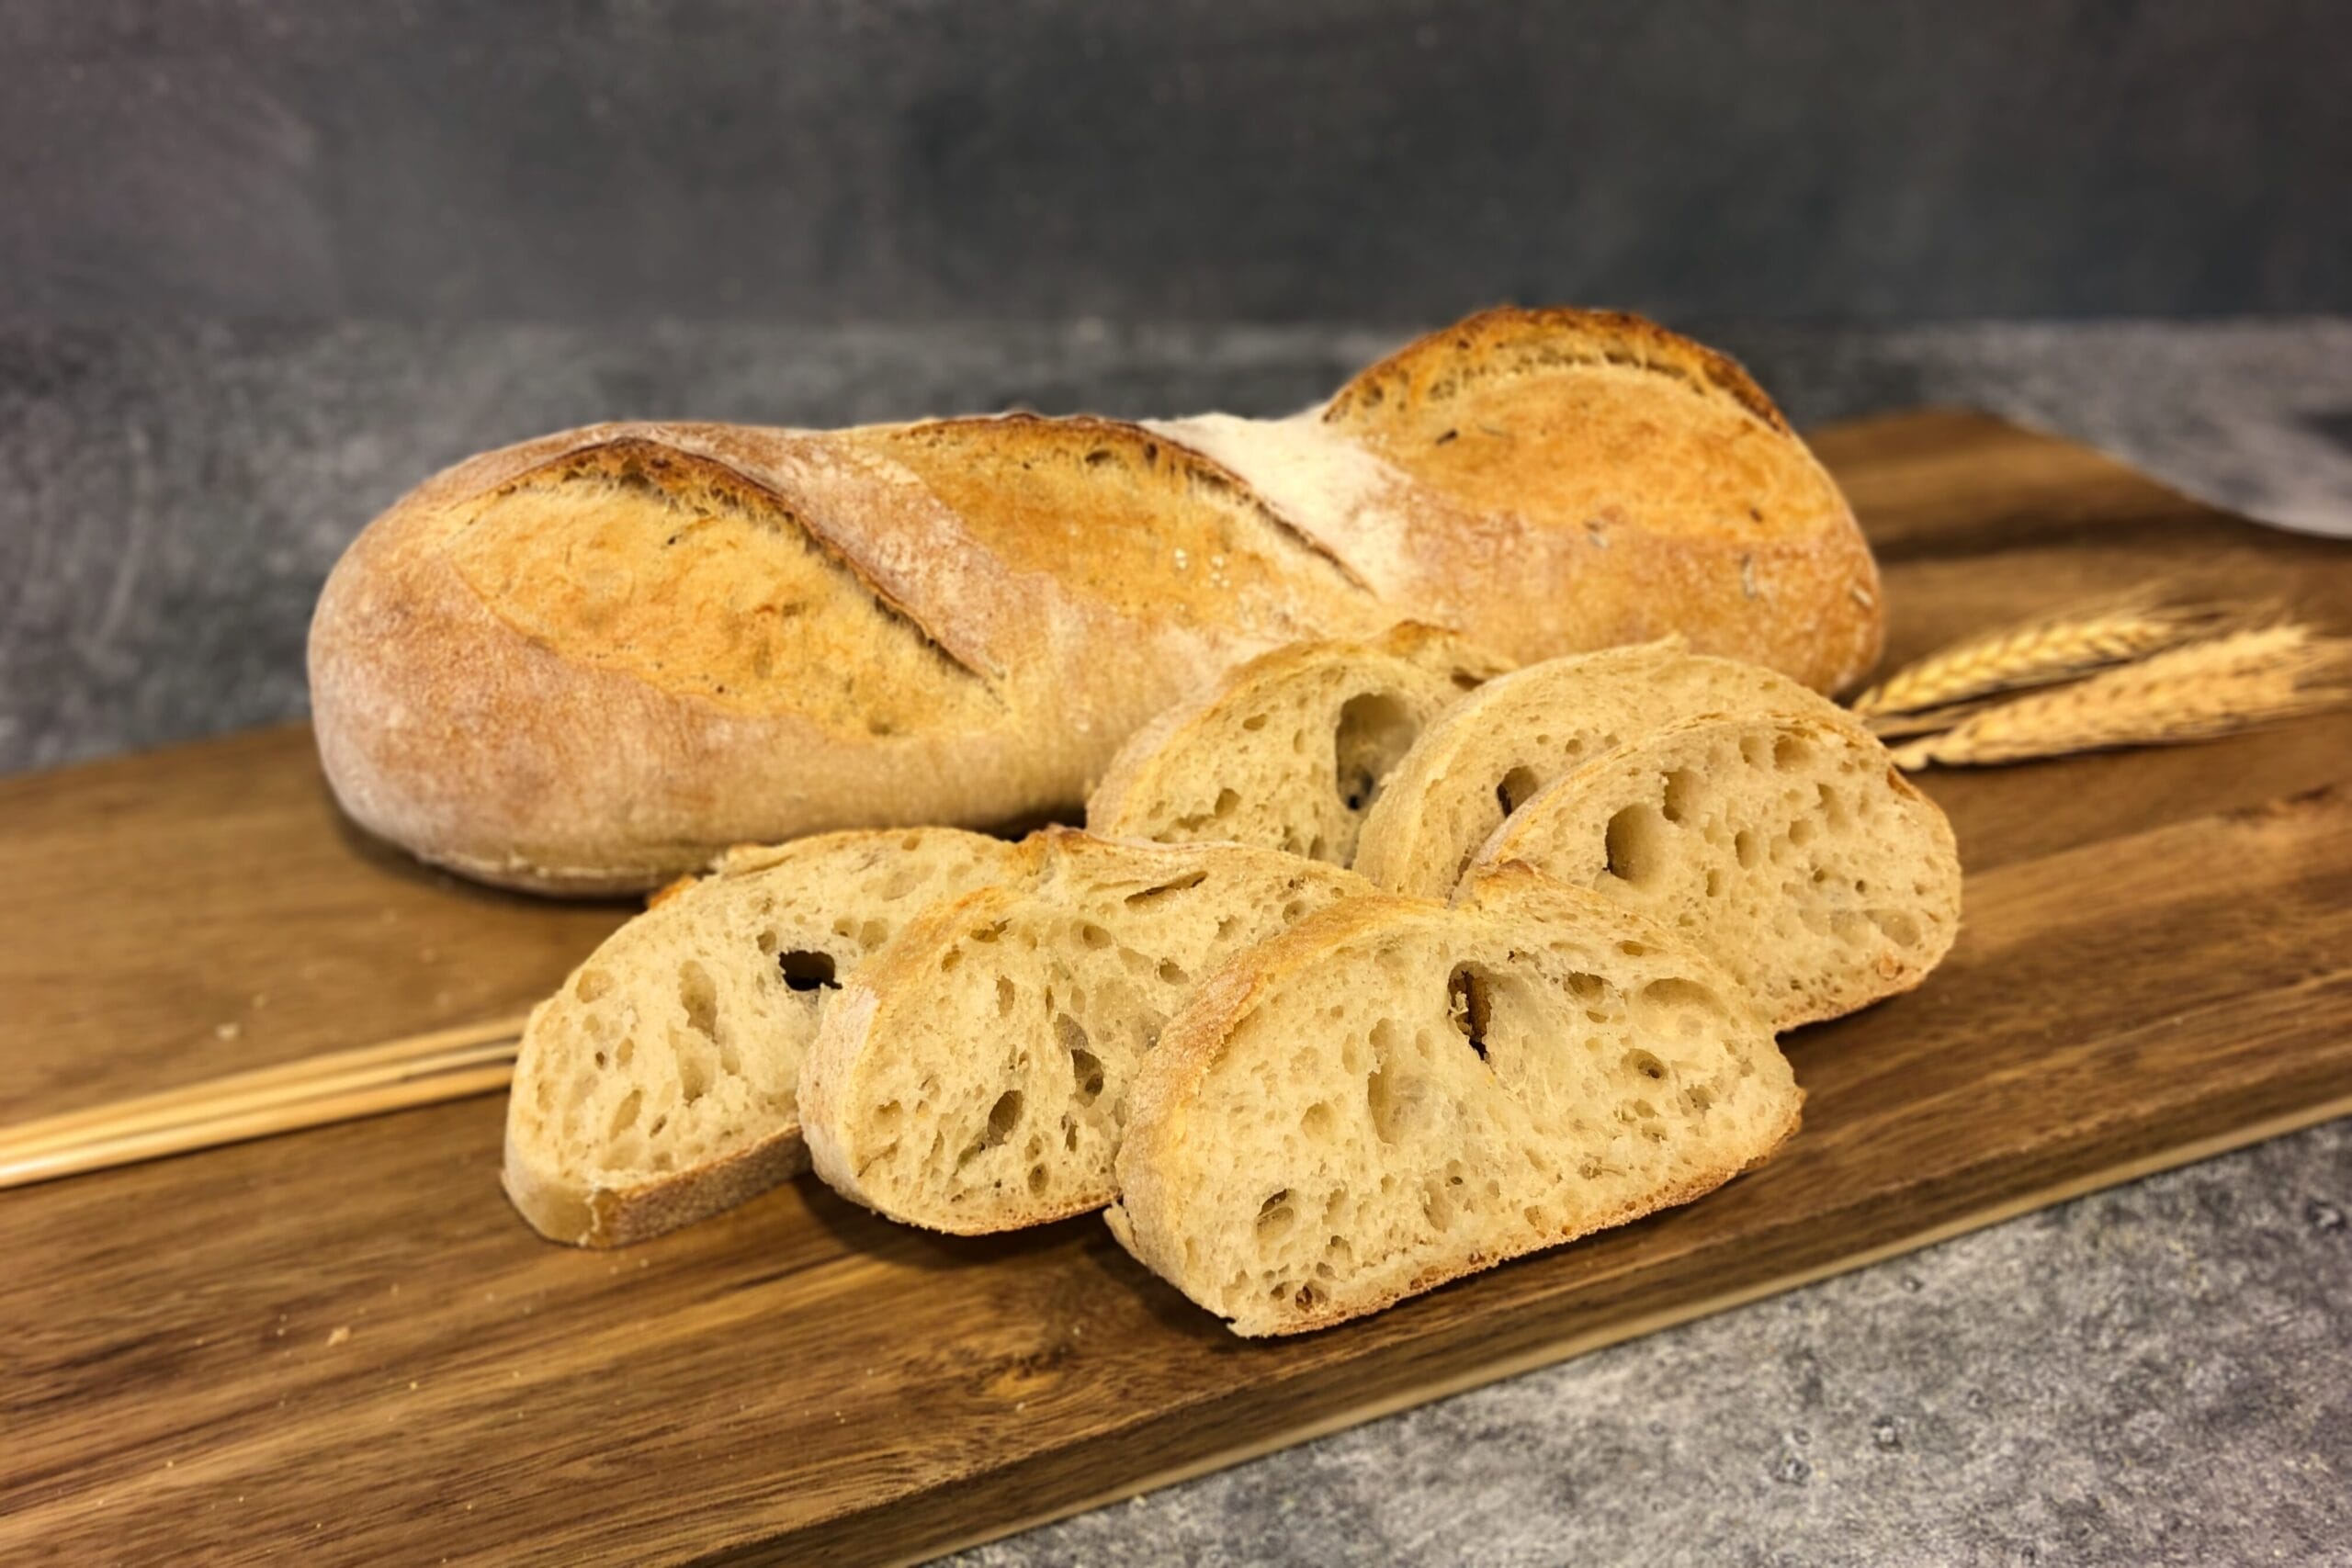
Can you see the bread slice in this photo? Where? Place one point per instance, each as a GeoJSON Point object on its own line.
{"type": "Point", "coordinates": [1395, 1093]}
{"type": "Point", "coordinates": [1496, 748]}
{"type": "Point", "coordinates": [1789, 847]}
{"type": "Point", "coordinates": [974, 1075]}
{"type": "Point", "coordinates": [1288, 750]}
{"type": "Point", "coordinates": [659, 1083]}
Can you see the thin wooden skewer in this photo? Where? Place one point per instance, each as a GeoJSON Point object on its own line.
{"type": "Point", "coordinates": [420, 1069]}
{"type": "Point", "coordinates": [190, 1136]}
{"type": "Point", "coordinates": [301, 1070]}
{"type": "Point", "coordinates": [135, 1116]}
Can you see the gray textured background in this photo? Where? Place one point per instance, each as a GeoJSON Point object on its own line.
{"type": "Point", "coordinates": [1215, 160]}
{"type": "Point", "coordinates": [263, 266]}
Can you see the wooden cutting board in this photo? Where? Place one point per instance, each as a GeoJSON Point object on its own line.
{"type": "Point", "coordinates": [343, 1346]}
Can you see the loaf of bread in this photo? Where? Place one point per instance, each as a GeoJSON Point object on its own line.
{"type": "Point", "coordinates": [660, 1083]}
{"type": "Point", "coordinates": [1395, 1093]}
{"type": "Point", "coordinates": [973, 1076]}
{"type": "Point", "coordinates": [1289, 750]}
{"type": "Point", "coordinates": [587, 662]}
{"type": "Point", "coordinates": [1786, 846]}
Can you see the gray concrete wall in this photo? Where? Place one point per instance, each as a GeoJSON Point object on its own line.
{"type": "Point", "coordinates": [1216, 160]}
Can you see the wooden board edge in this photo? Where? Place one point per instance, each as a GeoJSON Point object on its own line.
{"type": "Point", "coordinates": [1618, 1332]}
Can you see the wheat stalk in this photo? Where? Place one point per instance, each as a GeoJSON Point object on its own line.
{"type": "Point", "coordinates": [2063, 646]}
{"type": "Point", "coordinates": [2190, 692]}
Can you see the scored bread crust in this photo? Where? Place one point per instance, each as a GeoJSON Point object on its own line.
{"type": "Point", "coordinates": [1491, 752]}
{"type": "Point", "coordinates": [1589, 829]}
{"type": "Point", "coordinates": [1152, 1207]}
{"type": "Point", "coordinates": [1093, 921]}
{"type": "Point", "coordinates": [586, 663]}
{"type": "Point", "coordinates": [1200, 771]}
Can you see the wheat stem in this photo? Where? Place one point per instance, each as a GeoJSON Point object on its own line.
{"type": "Point", "coordinates": [2044, 651]}
{"type": "Point", "coordinates": [2195, 692]}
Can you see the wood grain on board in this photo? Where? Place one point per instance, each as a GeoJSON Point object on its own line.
{"type": "Point", "coordinates": [343, 1344]}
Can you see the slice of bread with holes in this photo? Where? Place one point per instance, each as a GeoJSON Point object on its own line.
{"type": "Point", "coordinates": [1288, 750]}
{"type": "Point", "coordinates": [1496, 748]}
{"type": "Point", "coordinates": [1395, 1093]}
{"type": "Point", "coordinates": [1789, 848]}
{"type": "Point", "coordinates": [973, 1076]}
{"type": "Point", "coordinates": [660, 1085]}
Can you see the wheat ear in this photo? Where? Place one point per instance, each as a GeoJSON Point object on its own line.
{"type": "Point", "coordinates": [2041, 652]}
{"type": "Point", "coordinates": [2191, 692]}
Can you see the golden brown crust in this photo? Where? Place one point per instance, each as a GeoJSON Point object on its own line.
{"type": "Point", "coordinates": [586, 663]}
{"type": "Point", "coordinates": [619, 1216]}
{"type": "Point", "coordinates": [1504, 340]}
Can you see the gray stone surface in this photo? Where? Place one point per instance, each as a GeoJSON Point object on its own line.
{"type": "Point", "coordinates": [2161, 1373]}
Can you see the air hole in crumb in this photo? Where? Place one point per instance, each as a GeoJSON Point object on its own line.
{"type": "Point", "coordinates": [1682, 793]}
{"type": "Point", "coordinates": [1375, 729]}
{"type": "Point", "coordinates": [1174, 884]}
{"type": "Point", "coordinates": [1319, 1121]}
{"type": "Point", "coordinates": [1743, 844]}
{"type": "Point", "coordinates": [1899, 926]}
{"type": "Point", "coordinates": [1085, 1068]}
{"type": "Point", "coordinates": [1254, 723]}
{"type": "Point", "coordinates": [1683, 1007]}
{"type": "Point", "coordinates": [1093, 935]}
{"type": "Point", "coordinates": [625, 1114]}
{"type": "Point", "coordinates": [1172, 972]}
{"type": "Point", "coordinates": [805, 971]}
{"type": "Point", "coordinates": [591, 983]}
{"type": "Point", "coordinates": [1642, 1062]}
{"type": "Point", "coordinates": [1790, 752]}
{"type": "Point", "coordinates": [1469, 1005]}
{"type": "Point", "coordinates": [1275, 1216]}
{"type": "Point", "coordinates": [1227, 803]}
{"type": "Point", "coordinates": [1515, 787]}
{"type": "Point", "coordinates": [1036, 1181]}
{"type": "Point", "coordinates": [1632, 842]}
{"type": "Point", "coordinates": [1003, 1116]}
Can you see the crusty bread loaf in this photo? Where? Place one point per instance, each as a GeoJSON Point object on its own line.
{"type": "Point", "coordinates": [659, 1083]}
{"type": "Point", "coordinates": [1788, 847]}
{"type": "Point", "coordinates": [973, 1076]}
{"type": "Point", "coordinates": [1489, 753]}
{"type": "Point", "coordinates": [588, 661]}
{"type": "Point", "coordinates": [1395, 1093]}
{"type": "Point", "coordinates": [1288, 750]}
